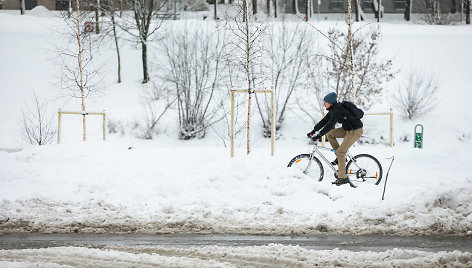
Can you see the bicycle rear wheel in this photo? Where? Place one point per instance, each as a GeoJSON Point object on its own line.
{"type": "Point", "coordinates": [364, 168]}
{"type": "Point", "coordinates": [312, 169]}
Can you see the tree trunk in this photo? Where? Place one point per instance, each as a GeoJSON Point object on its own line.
{"type": "Point", "coordinates": [248, 73]}
{"type": "Point", "coordinates": [97, 15]}
{"type": "Point", "coordinates": [215, 4]}
{"type": "Point", "coordinates": [268, 8]}
{"type": "Point", "coordinates": [407, 15]}
{"type": "Point", "coordinates": [145, 67]}
{"type": "Point", "coordinates": [254, 7]}
{"type": "Point", "coordinates": [275, 8]}
{"type": "Point", "coordinates": [356, 9]}
{"type": "Point", "coordinates": [22, 7]}
{"type": "Point", "coordinates": [467, 12]}
{"type": "Point", "coordinates": [116, 45]}
{"type": "Point", "coordinates": [307, 8]}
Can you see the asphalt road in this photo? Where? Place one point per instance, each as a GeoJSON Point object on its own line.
{"type": "Point", "coordinates": [376, 243]}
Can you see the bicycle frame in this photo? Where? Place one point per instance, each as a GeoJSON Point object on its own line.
{"type": "Point", "coordinates": [316, 150]}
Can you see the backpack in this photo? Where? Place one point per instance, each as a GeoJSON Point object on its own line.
{"type": "Point", "coordinates": [355, 111]}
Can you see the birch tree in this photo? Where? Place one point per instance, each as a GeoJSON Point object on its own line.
{"type": "Point", "coordinates": [370, 72]}
{"type": "Point", "coordinates": [246, 50]}
{"type": "Point", "coordinates": [79, 77]}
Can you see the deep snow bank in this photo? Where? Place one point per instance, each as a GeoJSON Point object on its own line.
{"type": "Point", "coordinates": [109, 188]}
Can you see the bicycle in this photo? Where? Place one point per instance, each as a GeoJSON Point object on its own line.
{"type": "Point", "coordinates": [365, 167]}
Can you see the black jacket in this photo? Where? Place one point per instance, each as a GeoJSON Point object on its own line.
{"type": "Point", "coordinates": [337, 113]}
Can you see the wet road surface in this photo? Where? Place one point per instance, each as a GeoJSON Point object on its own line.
{"type": "Point", "coordinates": [376, 243]}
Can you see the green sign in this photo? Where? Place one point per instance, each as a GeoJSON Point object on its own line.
{"type": "Point", "coordinates": [419, 136]}
{"type": "Point", "coordinates": [418, 144]}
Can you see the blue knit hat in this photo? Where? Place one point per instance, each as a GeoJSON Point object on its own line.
{"type": "Point", "coordinates": [331, 98]}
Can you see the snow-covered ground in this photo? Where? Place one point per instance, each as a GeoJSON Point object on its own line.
{"type": "Point", "coordinates": [165, 185]}
{"type": "Point", "coordinates": [272, 255]}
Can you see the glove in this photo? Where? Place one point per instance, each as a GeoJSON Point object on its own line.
{"type": "Point", "coordinates": [310, 134]}
{"type": "Point", "coordinates": [317, 137]}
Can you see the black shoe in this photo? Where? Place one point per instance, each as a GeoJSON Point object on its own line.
{"type": "Point", "coordinates": [335, 162]}
{"type": "Point", "coordinates": [339, 182]}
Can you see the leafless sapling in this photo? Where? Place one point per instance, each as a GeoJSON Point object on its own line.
{"type": "Point", "coordinates": [246, 48]}
{"type": "Point", "coordinates": [37, 126]}
{"type": "Point", "coordinates": [417, 96]}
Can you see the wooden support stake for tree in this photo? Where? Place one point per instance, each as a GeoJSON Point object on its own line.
{"type": "Point", "coordinates": [272, 131]}
{"type": "Point", "coordinates": [232, 123]}
{"type": "Point", "coordinates": [272, 123]}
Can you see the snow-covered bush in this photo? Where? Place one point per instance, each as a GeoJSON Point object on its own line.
{"type": "Point", "coordinates": [435, 14]}
{"type": "Point", "coordinates": [417, 96]}
{"type": "Point", "coordinates": [193, 72]}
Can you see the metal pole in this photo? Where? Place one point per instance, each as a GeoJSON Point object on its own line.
{"type": "Point", "coordinates": [232, 123]}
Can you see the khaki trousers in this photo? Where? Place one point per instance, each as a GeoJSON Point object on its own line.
{"type": "Point", "coordinates": [350, 137]}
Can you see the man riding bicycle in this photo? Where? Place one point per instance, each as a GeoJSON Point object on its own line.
{"type": "Point", "coordinates": [351, 131]}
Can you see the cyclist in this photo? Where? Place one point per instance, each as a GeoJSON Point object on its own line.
{"type": "Point", "coordinates": [351, 131]}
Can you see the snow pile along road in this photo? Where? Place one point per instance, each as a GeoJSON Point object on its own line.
{"type": "Point", "coordinates": [272, 255]}
{"type": "Point", "coordinates": [108, 188]}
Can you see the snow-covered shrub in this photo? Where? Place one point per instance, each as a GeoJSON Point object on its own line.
{"type": "Point", "coordinates": [196, 5]}
{"type": "Point", "coordinates": [193, 71]}
{"type": "Point", "coordinates": [289, 49]}
{"type": "Point", "coordinates": [115, 126]}
{"type": "Point", "coordinates": [417, 96]}
{"type": "Point", "coordinates": [435, 14]}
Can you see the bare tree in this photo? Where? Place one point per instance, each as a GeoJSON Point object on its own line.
{"type": "Point", "coordinates": [79, 77]}
{"type": "Point", "coordinates": [289, 50]}
{"type": "Point", "coordinates": [148, 17]}
{"type": "Point", "coordinates": [195, 60]}
{"type": "Point", "coordinates": [111, 28]}
{"type": "Point", "coordinates": [37, 124]}
{"type": "Point", "coordinates": [467, 12]}
{"type": "Point", "coordinates": [246, 50]}
{"type": "Point", "coordinates": [370, 73]}
{"type": "Point", "coordinates": [418, 95]}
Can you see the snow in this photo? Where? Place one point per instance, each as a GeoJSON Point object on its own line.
{"type": "Point", "coordinates": [165, 185]}
{"type": "Point", "coordinates": [272, 255]}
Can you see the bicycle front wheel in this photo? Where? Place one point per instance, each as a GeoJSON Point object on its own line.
{"type": "Point", "coordinates": [312, 168]}
{"type": "Point", "coordinates": [364, 168]}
